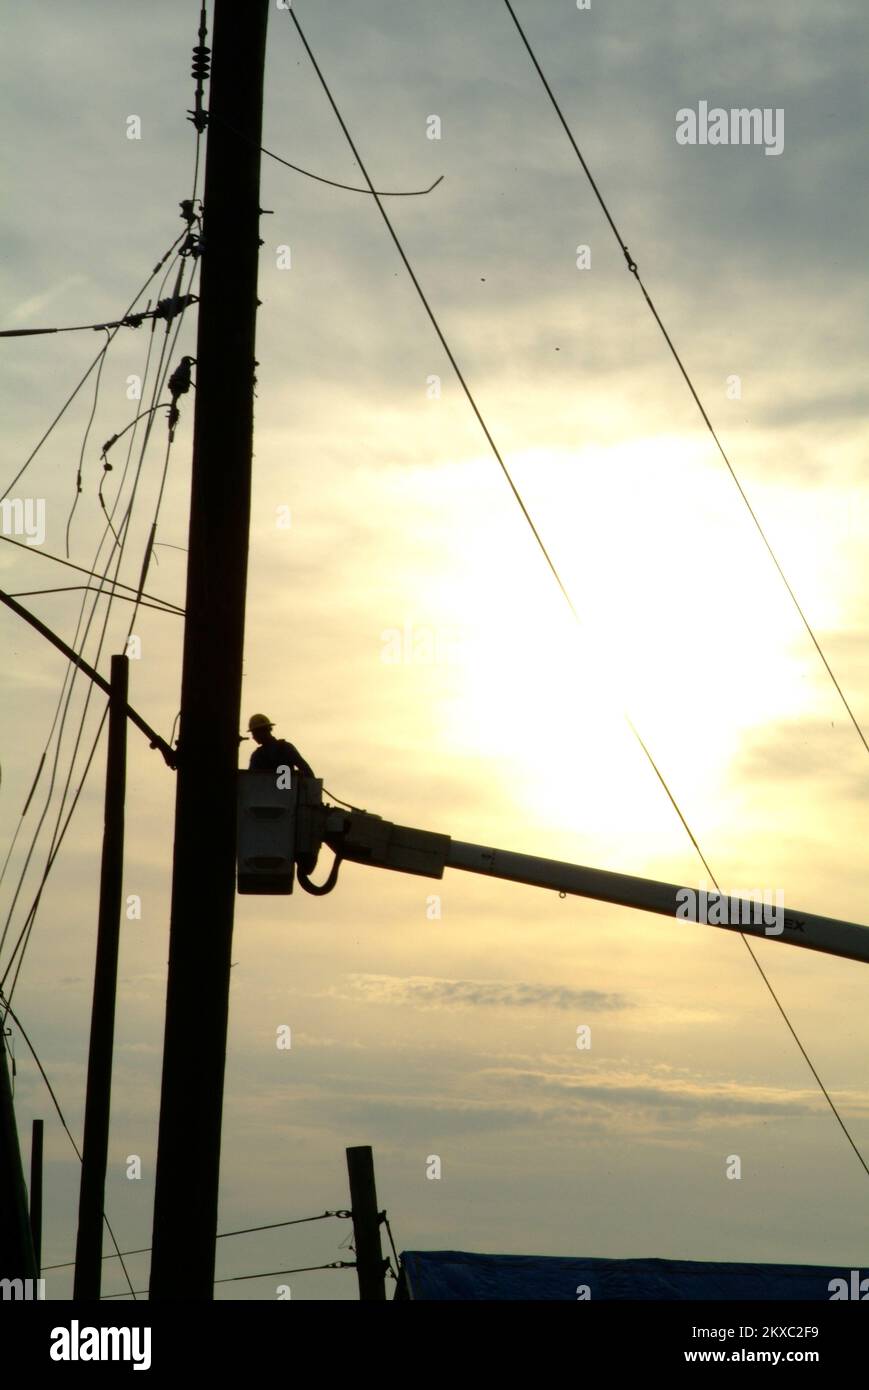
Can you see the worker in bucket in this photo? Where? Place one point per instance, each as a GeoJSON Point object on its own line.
{"type": "Point", "coordinates": [272, 752]}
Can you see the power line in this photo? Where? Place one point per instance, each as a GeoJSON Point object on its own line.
{"type": "Point", "coordinates": [827, 1096]}
{"type": "Point", "coordinates": [275, 1273]}
{"type": "Point", "coordinates": [268, 1274]}
{"type": "Point", "coordinates": [77, 588]}
{"type": "Point", "coordinates": [472, 401]}
{"type": "Point", "coordinates": [175, 307]}
{"type": "Point", "coordinates": [157, 268]}
{"type": "Point", "coordinates": [85, 437]}
{"type": "Point", "coordinates": [632, 267]}
{"type": "Point", "coordinates": [17, 1021]}
{"type": "Point", "coordinates": [319, 178]}
{"type": "Point", "coordinates": [69, 678]}
{"type": "Point", "coordinates": [26, 931]}
{"type": "Point", "coordinates": [526, 514]}
{"type": "Point", "coordinates": [164, 309]}
{"type": "Point", "coordinates": [93, 574]}
{"type": "Point", "coordinates": [350, 188]}
{"type": "Point", "coordinates": [171, 437]}
{"type": "Point", "coordinates": [431, 314]}
{"type": "Point", "coordinates": [222, 1235]}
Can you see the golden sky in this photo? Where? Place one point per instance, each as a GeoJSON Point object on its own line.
{"type": "Point", "coordinates": [503, 721]}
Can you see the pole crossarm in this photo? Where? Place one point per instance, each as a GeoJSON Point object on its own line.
{"type": "Point", "coordinates": [169, 755]}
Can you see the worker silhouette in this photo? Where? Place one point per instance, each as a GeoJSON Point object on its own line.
{"type": "Point", "coordinates": [272, 752]}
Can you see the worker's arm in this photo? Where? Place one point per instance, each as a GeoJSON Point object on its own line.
{"type": "Point", "coordinates": [300, 764]}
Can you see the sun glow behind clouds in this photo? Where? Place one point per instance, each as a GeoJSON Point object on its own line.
{"type": "Point", "coordinates": [684, 625]}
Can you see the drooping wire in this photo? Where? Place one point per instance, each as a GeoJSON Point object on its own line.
{"type": "Point", "coordinates": [809, 1063]}
{"type": "Point", "coordinates": [319, 178]}
{"type": "Point", "coordinates": [222, 1235]}
{"type": "Point", "coordinates": [60, 712]}
{"type": "Point", "coordinates": [179, 383]}
{"type": "Point", "coordinates": [68, 402]}
{"type": "Point", "coordinates": [190, 217]}
{"type": "Point", "coordinates": [21, 821]}
{"type": "Point", "coordinates": [107, 467]}
{"type": "Point", "coordinates": [119, 546]}
{"type": "Point", "coordinates": [129, 321]}
{"type": "Point", "coordinates": [67, 686]}
{"type": "Point", "coordinates": [498, 456]}
{"type": "Point", "coordinates": [171, 436]}
{"type": "Point", "coordinates": [69, 678]}
{"type": "Point", "coordinates": [24, 935]}
{"type": "Point", "coordinates": [266, 1274]}
{"type": "Point", "coordinates": [85, 438]}
{"type": "Point", "coordinates": [89, 589]}
{"type": "Point", "coordinates": [632, 267]}
{"type": "Point", "coordinates": [26, 931]}
{"type": "Point", "coordinates": [17, 1021]}
{"type": "Point", "coordinates": [352, 188]}
{"type": "Point", "coordinates": [436, 325]}
{"type": "Point", "coordinates": [82, 569]}
{"type": "Point", "coordinates": [472, 401]}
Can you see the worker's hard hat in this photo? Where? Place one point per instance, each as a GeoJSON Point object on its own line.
{"type": "Point", "coordinates": [259, 721]}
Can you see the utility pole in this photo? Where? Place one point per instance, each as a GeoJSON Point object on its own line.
{"type": "Point", "coordinates": [370, 1265]}
{"type": "Point", "coordinates": [98, 1096]}
{"type": "Point", "coordinates": [203, 880]}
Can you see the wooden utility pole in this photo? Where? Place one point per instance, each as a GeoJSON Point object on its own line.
{"type": "Point", "coordinates": [95, 1150]}
{"type": "Point", "coordinates": [36, 1191]}
{"type": "Point", "coordinates": [370, 1264]}
{"type": "Point", "coordinates": [203, 881]}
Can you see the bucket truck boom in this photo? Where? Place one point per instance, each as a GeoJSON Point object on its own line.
{"type": "Point", "coordinates": [282, 829]}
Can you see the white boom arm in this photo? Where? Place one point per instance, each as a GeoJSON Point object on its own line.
{"type": "Point", "coordinates": [718, 910]}
{"type": "Point", "coordinates": [278, 828]}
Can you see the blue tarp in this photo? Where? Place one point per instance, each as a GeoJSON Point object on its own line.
{"type": "Point", "coordinates": [456, 1274]}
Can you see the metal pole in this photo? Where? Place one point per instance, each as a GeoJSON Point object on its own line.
{"type": "Point", "coordinates": [36, 1191]}
{"type": "Point", "coordinates": [203, 882]}
{"type": "Point", "coordinates": [95, 1150]}
{"type": "Point", "coordinates": [370, 1264]}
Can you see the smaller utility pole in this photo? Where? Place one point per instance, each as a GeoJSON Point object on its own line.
{"type": "Point", "coordinates": [370, 1264]}
{"type": "Point", "coordinates": [89, 1244]}
{"type": "Point", "coordinates": [36, 1192]}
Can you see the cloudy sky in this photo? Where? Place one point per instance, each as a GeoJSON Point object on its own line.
{"type": "Point", "coordinates": [502, 722]}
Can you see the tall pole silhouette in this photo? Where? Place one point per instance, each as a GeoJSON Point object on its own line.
{"type": "Point", "coordinates": [203, 882]}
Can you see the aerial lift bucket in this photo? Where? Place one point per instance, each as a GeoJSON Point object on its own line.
{"type": "Point", "coordinates": [271, 832]}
